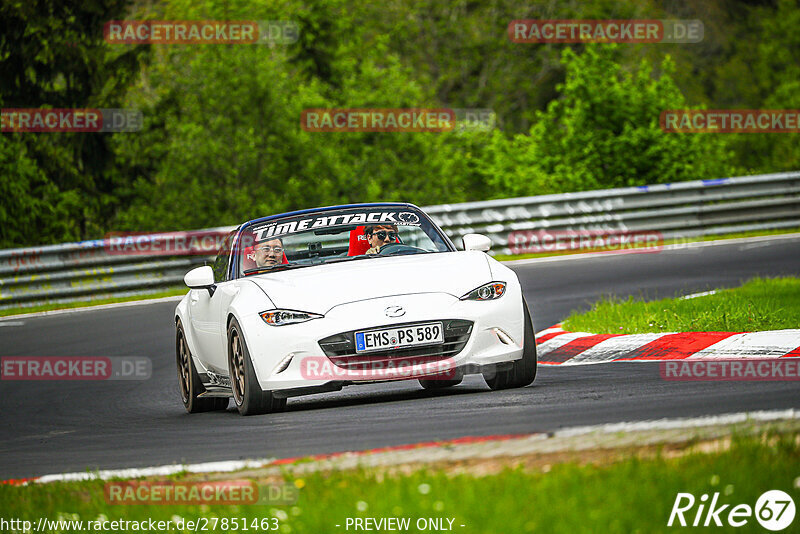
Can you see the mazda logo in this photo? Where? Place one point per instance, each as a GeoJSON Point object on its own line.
{"type": "Point", "coordinates": [395, 311]}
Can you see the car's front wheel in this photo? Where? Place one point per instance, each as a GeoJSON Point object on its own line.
{"type": "Point", "coordinates": [523, 371]}
{"type": "Point", "coordinates": [248, 396]}
{"type": "Point", "coordinates": [189, 380]}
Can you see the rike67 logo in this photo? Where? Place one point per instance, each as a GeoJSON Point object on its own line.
{"type": "Point", "coordinates": [774, 510]}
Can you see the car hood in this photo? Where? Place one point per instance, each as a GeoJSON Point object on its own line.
{"type": "Point", "coordinates": [319, 288]}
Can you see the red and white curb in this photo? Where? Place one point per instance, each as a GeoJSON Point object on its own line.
{"type": "Point", "coordinates": [556, 346]}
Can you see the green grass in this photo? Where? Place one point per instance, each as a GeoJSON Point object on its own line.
{"type": "Point", "coordinates": [632, 495]}
{"type": "Point", "coordinates": [86, 303]}
{"type": "Point", "coordinates": [717, 237]}
{"type": "Point", "coordinates": [760, 304]}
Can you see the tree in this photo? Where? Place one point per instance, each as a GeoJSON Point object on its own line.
{"type": "Point", "coordinates": [52, 55]}
{"type": "Point", "coordinates": [223, 136]}
{"type": "Point", "coordinates": [603, 131]}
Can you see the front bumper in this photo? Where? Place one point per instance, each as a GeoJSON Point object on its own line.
{"type": "Point", "coordinates": [289, 357]}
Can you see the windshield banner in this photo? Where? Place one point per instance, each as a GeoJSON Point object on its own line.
{"type": "Point", "coordinates": [284, 227]}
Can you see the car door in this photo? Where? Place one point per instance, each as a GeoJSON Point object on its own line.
{"type": "Point", "coordinates": [208, 312]}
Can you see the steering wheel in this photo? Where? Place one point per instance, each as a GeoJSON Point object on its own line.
{"type": "Point", "coordinates": [398, 249]}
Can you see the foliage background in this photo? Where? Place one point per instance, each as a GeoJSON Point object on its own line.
{"type": "Point", "coordinates": [222, 141]}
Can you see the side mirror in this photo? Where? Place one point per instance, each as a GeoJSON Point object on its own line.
{"type": "Point", "coordinates": [200, 278]}
{"type": "Point", "coordinates": [476, 242]}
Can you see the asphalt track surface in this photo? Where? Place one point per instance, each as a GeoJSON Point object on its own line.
{"type": "Point", "coordinates": [52, 427]}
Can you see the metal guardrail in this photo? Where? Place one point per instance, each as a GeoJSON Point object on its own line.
{"type": "Point", "coordinates": [86, 270]}
{"type": "Point", "coordinates": [684, 209]}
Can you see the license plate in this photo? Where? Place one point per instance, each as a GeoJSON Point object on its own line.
{"type": "Point", "coordinates": [394, 338]}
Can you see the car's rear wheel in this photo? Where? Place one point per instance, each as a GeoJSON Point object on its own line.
{"type": "Point", "coordinates": [523, 371]}
{"type": "Point", "coordinates": [190, 385]}
{"type": "Point", "coordinates": [445, 380]}
{"type": "Point", "coordinates": [248, 396]}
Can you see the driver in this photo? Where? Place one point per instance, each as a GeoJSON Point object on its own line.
{"type": "Point", "coordinates": [269, 253]}
{"type": "Point", "coordinates": [379, 235]}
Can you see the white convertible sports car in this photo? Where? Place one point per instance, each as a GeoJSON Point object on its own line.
{"type": "Point", "coordinates": [313, 300]}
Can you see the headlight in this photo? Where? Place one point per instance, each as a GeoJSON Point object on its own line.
{"type": "Point", "coordinates": [284, 317]}
{"type": "Point", "coordinates": [490, 291]}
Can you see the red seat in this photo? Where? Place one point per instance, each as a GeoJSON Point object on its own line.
{"type": "Point", "coordinates": [248, 259]}
{"type": "Point", "coordinates": [358, 242]}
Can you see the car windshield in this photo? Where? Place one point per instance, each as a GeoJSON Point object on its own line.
{"type": "Point", "coordinates": [365, 233]}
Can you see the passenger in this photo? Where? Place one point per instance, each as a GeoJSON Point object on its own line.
{"type": "Point", "coordinates": [269, 253]}
{"type": "Point", "coordinates": [379, 235]}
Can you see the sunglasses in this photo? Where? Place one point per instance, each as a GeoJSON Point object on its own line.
{"type": "Point", "coordinates": [383, 235]}
{"type": "Point", "coordinates": [276, 250]}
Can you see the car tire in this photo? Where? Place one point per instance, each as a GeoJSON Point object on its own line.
{"type": "Point", "coordinates": [248, 396]}
{"type": "Point", "coordinates": [523, 371]}
{"type": "Point", "coordinates": [189, 381]}
{"type": "Point", "coordinates": [441, 383]}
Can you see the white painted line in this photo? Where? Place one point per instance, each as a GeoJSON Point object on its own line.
{"type": "Point", "coordinates": [688, 422]}
{"type": "Point", "coordinates": [676, 246]}
{"type": "Point", "coordinates": [751, 346]}
{"type": "Point", "coordinates": [613, 348]}
{"type": "Point", "coordinates": [751, 246]}
{"type": "Point", "coordinates": [163, 470]}
{"type": "Point", "coordinates": [12, 323]}
{"type": "Point", "coordinates": [701, 294]}
{"type": "Point", "coordinates": [610, 428]}
{"type": "Point", "coordinates": [142, 302]}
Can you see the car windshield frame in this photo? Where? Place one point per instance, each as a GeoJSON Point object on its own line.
{"type": "Point", "coordinates": [424, 222]}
